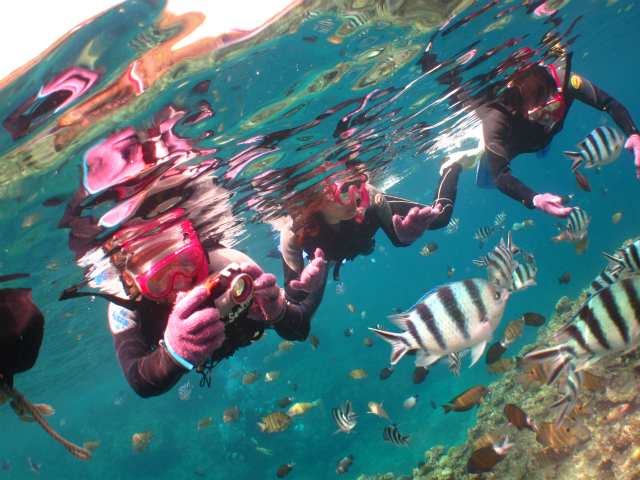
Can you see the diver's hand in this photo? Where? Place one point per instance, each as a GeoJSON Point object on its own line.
{"type": "Point", "coordinates": [415, 223]}
{"type": "Point", "coordinates": [550, 204]}
{"type": "Point", "coordinates": [193, 335]}
{"type": "Point", "coordinates": [633, 145]}
{"type": "Point", "coordinates": [267, 305]}
{"type": "Point", "coordinates": [311, 276]}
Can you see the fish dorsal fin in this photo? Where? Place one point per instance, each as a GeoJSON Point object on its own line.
{"type": "Point", "coordinates": [399, 320]}
{"type": "Point", "coordinates": [348, 409]}
{"type": "Point", "coordinates": [429, 293]}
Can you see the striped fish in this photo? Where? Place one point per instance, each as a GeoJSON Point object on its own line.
{"type": "Point", "coordinates": [452, 226]}
{"type": "Point", "coordinates": [501, 265]}
{"type": "Point", "coordinates": [483, 233]}
{"type": "Point", "coordinates": [578, 222]}
{"type": "Point", "coordinates": [601, 146]}
{"type": "Point", "coordinates": [344, 417]}
{"type": "Point", "coordinates": [456, 364]}
{"type": "Point", "coordinates": [380, 326]}
{"type": "Point", "coordinates": [483, 262]}
{"type": "Point", "coordinates": [184, 392]}
{"type": "Point", "coordinates": [356, 18]}
{"type": "Point", "coordinates": [499, 220]}
{"type": "Point", "coordinates": [324, 26]}
{"type": "Point", "coordinates": [609, 322]}
{"type": "Point", "coordinates": [603, 279]}
{"type": "Point", "coordinates": [448, 319]}
{"type": "Point", "coordinates": [528, 257]}
{"type": "Point", "coordinates": [626, 260]}
{"type": "Point", "coordinates": [523, 277]}
{"type": "Point", "coordinates": [391, 434]}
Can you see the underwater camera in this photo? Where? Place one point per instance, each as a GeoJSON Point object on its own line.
{"type": "Point", "coordinates": [230, 291]}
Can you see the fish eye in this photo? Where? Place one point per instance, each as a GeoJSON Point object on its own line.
{"type": "Point", "coordinates": [496, 295]}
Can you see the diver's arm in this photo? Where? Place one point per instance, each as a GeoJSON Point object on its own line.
{"type": "Point", "coordinates": [386, 206]}
{"type": "Point", "coordinates": [292, 261]}
{"type": "Point", "coordinates": [445, 196]}
{"type": "Point", "coordinates": [585, 91]}
{"type": "Point", "coordinates": [496, 127]}
{"type": "Point", "coordinates": [296, 322]}
{"type": "Point", "coordinates": [148, 372]}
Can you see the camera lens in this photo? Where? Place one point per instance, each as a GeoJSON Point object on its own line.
{"type": "Point", "coordinates": [241, 288]}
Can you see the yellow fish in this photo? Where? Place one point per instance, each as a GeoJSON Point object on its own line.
{"type": "Point", "coordinates": [141, 441]}
{"type": "Point", "coordinates": [286, 345]}
{"type": "Point", "coordinates": [581, 245]}
{"type": "Point", "coordinates": [301, 408]}
{"type": "Point", "coordinates": [275, 422]}
{"type": "Point", "coordinates": [91, 445]}
{"type": "Point", "coordinates": [351, 308]}
{"type": "Point", "coordinates": [250, 377]}
{"type": "Point", "coordinates": [358, 374]}
{"type": "Point", "coordinates": [616, 218]}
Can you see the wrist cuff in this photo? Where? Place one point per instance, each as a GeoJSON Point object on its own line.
{"type": "Point", "coordinates": [177, 357]}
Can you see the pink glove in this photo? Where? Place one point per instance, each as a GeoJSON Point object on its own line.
{"type": "Point", "coordinates": [193, 335]}
{"type": "Point", "coordinates": [267, 304]}
{"type": "Point", "coordinates": [633, 145]}
{"type": "Point", "coordinates": [311, 276]}
{"type": "Point", "coordinates": [550, 204]}
{"type": "Point", "coordinates": [415, 223]}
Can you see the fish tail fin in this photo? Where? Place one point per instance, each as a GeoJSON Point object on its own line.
{"type": "Point", "coordinates": [480, 263]}
{"type": "Point", "coordinates": [575, 157]}
{"type": "Point", "coordinates": [524, 380]}
{"type": "Point", "coordinates": [317, 403]}
{"type": "Point", "coordinates": [616, 264]}
{"type": "Point", "coordinates": [397, 341]}
{"type": "Point", "coordinates": [566, 403]}
{"type": "Point", "coordinates": [406, 441]}
{"type": "Point", "coordinates": [447, 408]}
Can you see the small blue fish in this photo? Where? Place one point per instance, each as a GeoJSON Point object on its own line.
{"type": "Point", "coordinates": [63, 422]}
{"type": "Point", "coordinates": [184, 392]}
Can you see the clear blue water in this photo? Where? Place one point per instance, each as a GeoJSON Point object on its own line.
{"type": "Point", "coordinates": [77, 372]}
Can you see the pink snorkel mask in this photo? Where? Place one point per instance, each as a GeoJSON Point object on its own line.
{"type": "Point", "coordinates": [353, 193]}
{"type": "Point", "coordinates": [550, 112]}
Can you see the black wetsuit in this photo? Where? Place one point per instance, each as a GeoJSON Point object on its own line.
{"type": "Point", "coordinates": [348, 239]}
{"type": "Point", "coordinates": [507, 135]}
{"type": "Point", "coordinates": [150, 368]}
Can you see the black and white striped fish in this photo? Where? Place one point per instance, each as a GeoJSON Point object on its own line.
{"type": "Point", "coordinates": [626, 259]}
{"type": "Point", "coordinates": [523, 277]}
{"type": "Point", "coordinates": [324, 26]}
{"type": "Point", "coordinates": [528, 257]}
{"type": "Point", "coordinates": [455, 365]}
{"type": "Point", "coordinates": [356, 18]}
{"type": "Point", "coordinates": [380, 326]}
{"type": "Point", "coordinates": [452, 226]}
{"type": "Point", "coordinates": [448, 319]}
{"type": "Point", "coordinates": [483, 262]}
{"type": "Point", "coordinates": [501, 264]}
{"type": "Point", "coordinates": [601, 146]}
{"type": "Point", "coordinates": [184, 392]}
{"type": "Point", "coordinates": [499, 220]}
{"type": "Point", "coordinates": [609, 322]}
{"type": "Point", "coordinates": [391, 434]}
{"type": "Point", "coordinates": [345, 418]}
{"type": "Point", "coordinates": [578, 222]}
{"type": "Point", "coordinates": [483, 233]}
{"type": "Point", "coordinates": [604, 278]}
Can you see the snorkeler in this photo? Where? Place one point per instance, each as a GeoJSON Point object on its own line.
{"type": "Point", "coordinates": [174, 321]}
{"type": "Point", "coordinates": [340, 223]}
{"type": "Point", "coordinates": [524, 118]}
